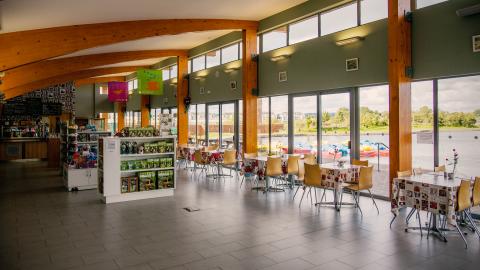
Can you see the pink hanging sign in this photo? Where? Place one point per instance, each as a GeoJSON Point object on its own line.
{"type": "Point", "coordinates": [118, 91]}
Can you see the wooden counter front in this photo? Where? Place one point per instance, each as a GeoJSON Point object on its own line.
{"type": "Point", "coordinates": [23, 148]}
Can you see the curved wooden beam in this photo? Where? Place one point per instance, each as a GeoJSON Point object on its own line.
{"type": "Point", "coordinates": [82, 74]}
{"type": "Point", "coordinates": [51, 68]}
{"type": "Point", "coordinates": [23, 47]}
{"type": "Point", "coordinates": [94, 80]}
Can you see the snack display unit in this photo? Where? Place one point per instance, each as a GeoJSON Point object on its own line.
{"type": "Point", "coordinates": [80, 151]}
{"type": "Point", "coordinates": [135, 168]}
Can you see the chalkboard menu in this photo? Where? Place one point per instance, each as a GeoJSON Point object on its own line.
{"type": "Point", "coordinates": [31, 107]}
{"type": "Point", "coordinates": [34, 106]}
{"type": "Point", "coordinates": [52, 109]}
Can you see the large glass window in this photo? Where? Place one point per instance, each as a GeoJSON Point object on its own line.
{"type": "Point", "coordinates": [166, 74]}
{"type": "Point", "coordinates": [338, 19]}
{"type": "Point", "coordinates": [459, 123]}
{"type": "Point", "coordinates": [228, 125]}
{"type": "Point", "coordinates": [198, 63]}
{"type": "Point", "coordinates": [422, 125]}
{"type": "Point", "coordinates": [230, 53]}
{"type": "Point", "coordinates": [305, 124]}
{"type": "Point", "coordinates": [173, 71]}
{"type": "Point", "coordinates": [192, 124]}
{"type": "Point", "coordinates": [303, 30]}
{"type": "Point", "coordinates": [426, 3]}
{"type": "Point", "coordinates": [213, 124]}
{"type": "Point", "coordinates": [189, 66]}
{"type": "Point", "coordinates": [279, 118]}
{"type": "Point", "coordinates": [240, 125]}
{"type": "Point", "coordinates": [213, 59]}
{"type": "Point", "coordinates": [373, 10]}
{"type": "Point", "coordinates": [275, 39]}
{"type": "Point", "coordinates": [374, 134]}
{"type": "Point", "coordinates": [335, 127]}
{"type": "Point", "coordinates": [201, 128]}
{"type": "Point", "coordinates": [137, 118]}
{"type": "Point", "coordinates": [153, 117]}
{"type": "Point", "coordinates": [263, 133]}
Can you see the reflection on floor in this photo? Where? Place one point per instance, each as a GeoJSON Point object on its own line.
{"type": "Point", "coordinates": [44, 227]}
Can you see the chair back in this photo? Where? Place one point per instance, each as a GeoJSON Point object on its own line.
{"type": "Point", "coordinates": [313, 175]}
{"type": "Point", "coordinates": [404, 173]}
{"type": "Point", "coordinates": [440, 168]}
{"type": "Point", "coordinates": [301, 170]}
{"type": "Point", "coordinates": [476, 191]}
{"type": "Point", "coordinates": [365, 178]}
{"type": "Point", "coordinates": [310, 158]}
{"type": "Point", "coordinates": [463, 196]}
{"type": "Point", "coordinates": [274, 166]}
{"type": "Point", "coordinates": [212, 147]}
{"type": "Point", "coordinates": [359, 162]}
{"type": "Point", "coordinates": [230, 157]}
{"type": "Point", "coordinates": [250, 155]}
{"type": "Point", "coordinates": [292, 164]}
{"type": "Point", "coordinates": [197, 157]}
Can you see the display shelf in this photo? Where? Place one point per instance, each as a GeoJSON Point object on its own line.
{"type": "Point", "coordinates": [147, 170]}
{"type": "Point", "coordinates": [112, 181]}
{"type": "Point", "coordinates": [146, 155]}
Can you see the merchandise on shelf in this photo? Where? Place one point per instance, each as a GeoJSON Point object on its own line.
{"type": "Point", "coordinates": [165, 179]}
{"type": "Point", "coordinates": [147, 181]}
{"type": "Point", "coordinates": [138, 132]}
{"type": "Point", "coordinates": [163, 146]}
{"type": "Point", "coordinates": [150, 163]}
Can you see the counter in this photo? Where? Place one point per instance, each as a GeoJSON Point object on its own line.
{"type": "Point", "coordinates": [23, 148]}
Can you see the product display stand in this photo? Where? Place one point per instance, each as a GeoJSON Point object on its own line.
{"type": "Point", "coordinates": [135, 168]}
{"type": "Point", "coordinates": [80, 177]}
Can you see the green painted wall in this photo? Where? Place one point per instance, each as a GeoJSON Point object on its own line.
{"type": "Point", "coordinates": [442, 41]}
{"type": "Point", "coordinates": [216, 83]}
{"type": "Point", "coordinates": [133, 103]}
{"type": "Point", "coordinates": [169, 92]}
{"type": "Point", "coordinates": [319, 64]}
{"type": "Point", "coordinates": [164, 63]}
{"type": "Point", "coordinates": [84, 101]}
{"type": "Point", "coordinates": [102, 104]}
{"type": "Point", "coordinates": [216, 43]}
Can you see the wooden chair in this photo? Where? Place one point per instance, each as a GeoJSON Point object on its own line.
{"type": "Point", "coordinates": [309, 158]}
{"type": "Point", "coordinates": [230, 160]}
{"type": "Point", "coordinates": [404, 174]}
{"type": "Point", "coordinates": [463, 206]}
{"type": "Point", "coordinates": [274, 170]}
{"type": "Point", "coordinates": [359, 162]}
{"type": "Point", "coordinates": [312, 179]}
{"type": "Point", "coordinates": [292, 168]}
{"type": "Point", "coordinates": [365, 182]}
{"type": "Point", "coordinates": [199, 161]}
{"type": "Point", "coordinates": [300, 176]}
{"type": "Point", "coordinates": [440, 168]}
{"type": "Point", "coordinates": [212, 147]}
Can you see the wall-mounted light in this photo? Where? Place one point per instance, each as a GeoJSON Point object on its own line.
{"type": "Point", "coordinates": [173, 82]}
{"type": "Point", "coordinates": [232, 69]}
{"type": "Point", "coordinates": [200, 77]}
{"type": "Point", "coordinates": [279, 57]}
{"type": "Point", "coordinates": [347, 41]}
{"type": "Point", "coordinates": [2, 74]}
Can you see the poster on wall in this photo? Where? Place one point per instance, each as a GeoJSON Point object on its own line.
{"type": "Point", "coordinates": [118, 91]}
{"type": "Point", "coordinates": [150, 82]}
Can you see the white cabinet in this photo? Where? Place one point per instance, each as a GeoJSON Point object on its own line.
{"type": "Point", "coordinates": [80, 179]}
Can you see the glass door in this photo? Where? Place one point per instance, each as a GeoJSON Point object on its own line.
{"type": "Point", "coordinates": [227, 130]}
{"type": "Point", "coordinates": [305, 125]}
{"type": "Point", "coordinates": [213, 120]}
{"type": "Point", "coordinates": [335, 127]}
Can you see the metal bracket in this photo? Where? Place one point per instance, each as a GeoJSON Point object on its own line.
{"type": "Point", "coordinates": [186, 76]}
{"type": "Point", "coordinates": [408, 16]}
{"type": "Point", "coordinates": [409, 72]}
{"type": "Point", "coordinates": [255, 92]}
{"type": "Point", "coordinates": [254, 57]}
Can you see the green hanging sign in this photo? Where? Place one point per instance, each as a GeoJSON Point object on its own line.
{"type": "Point", "coordinates": [150, 82]}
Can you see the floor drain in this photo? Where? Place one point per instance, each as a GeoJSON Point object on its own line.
{"type": "Point", "coordinates": [191, 209]}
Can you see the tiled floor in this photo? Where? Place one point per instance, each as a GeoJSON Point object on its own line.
{"type": "Point", "coordinates": [44, 227]}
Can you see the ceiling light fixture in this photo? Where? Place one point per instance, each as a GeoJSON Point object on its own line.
{"type": "Point", "coordinates": [279, 57]}
{"type": "Point", "coordinates": [347, 41]}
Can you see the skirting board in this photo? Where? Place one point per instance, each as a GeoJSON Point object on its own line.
{"type": "Point", "coordinates": [141, 195]}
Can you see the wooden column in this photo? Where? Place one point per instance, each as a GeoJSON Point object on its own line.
{"type": "Point", "coordinates": [182, 92]}
{"type": "Point", "coordinates": [145, 110]}
{"type": "Point", "coordinates": [249, 82]}
{"type": "Point", "coordinates": [120, 110]}
{"type": "Point", "coordinates": [399, 58]}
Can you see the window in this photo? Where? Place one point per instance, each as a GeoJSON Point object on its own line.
{"type": "Point", "coordinates": [373, 10]}
{"type": "Point", "coordinates": [422, 124]}
{"type": "Point", "coordinates": [201, 124]}
{"type": "Point", "coordinates": [275, 39]}
{"type": "Point", "coordinates": [198, 63]}
{"type": "Point", "coordinates": [305, 126]}
{"type": "Point", "coordinates": [426, 3]}
{"type": "Point", "coordinates": [173, 71]}
{"type": "Point", "coordinates": [374, 134]}
{"type": "Point", "coordinates": [137, 119]}
{"type": "Point", "coordinates": [189, 66]}
{"type": "Point", "coordinates": [303, 30]}
{"type": "Point", "coordinates": [135, 84]}
{"type": "Point", "coordinates": [213, 124]}
{"type": "Point", "coordinates": [240, 125]}
{"type": "Point", "coordinates": [103, 89]}
{"type": "Point", "coordinates": [230, 53]}
{"type": "Point", "coordinates": [263, 129]}
{"type": "Point", "coordinates": [338, 19]}
{"type": "Point", "coordinates": [459, 124]}
{"type": "Point", "coordinates": [192, 124]}
{"type": "Point", "coordinates": [152, 117]}
{"type": "Point", "coordinates": [166, 74]}
{"type": "Point", "coordinates": [213, 59]}
{"type": "Point", "coordinates": [111, 122]}
{"type": "Point", "coordinates": [335, 127]}
{"type": "Point", "coordinates": [130, 85]}
{"type": "Point", "coordinates": [227, 125]}
{"type": "Point", "coordinates": [279, 128]}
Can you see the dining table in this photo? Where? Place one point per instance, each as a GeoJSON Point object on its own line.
{"type": "Point", "coordinates": [258, 165]}
{"type": "Point", "coordinates": [434, 193]}
{"type": "Point", "coordinates": [334, 176]}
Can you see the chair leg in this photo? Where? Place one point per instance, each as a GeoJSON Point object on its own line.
{"type": "Point", "coordinates": [410, 214]}
{"type": "Point", "coordinates": [469, 216]}
{"type": "Point", "coordinates": [419, 223]}
{"type": "Point", "coordinates": [303, 194]}
{"type": "Point", "coordinates": [322, 195]}
{"type": "Point", "coordinates": [429, 223]}
{"type": "Point", "coordinates": [393, 219]}
{"type": "Point", "coordinates": [311, 199]}
{"type": "Point", "coordinates": [315, 189]}
{"type": "Point", "coordinates": [241, 183]}
{"type": "Point", "coordinates": [357, 199]}
{"type": "Point", "coordinates": [461, 234]}
{"type": "Point", "coordinates": [371, 196]}
{"type": "Point", "coordinates": [296, 192]}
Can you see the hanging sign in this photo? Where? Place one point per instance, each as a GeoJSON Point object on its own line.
{"type": "Point", "coordinates": [118, 91]}
{"type": "Point", "coordinates": [150, 82]}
